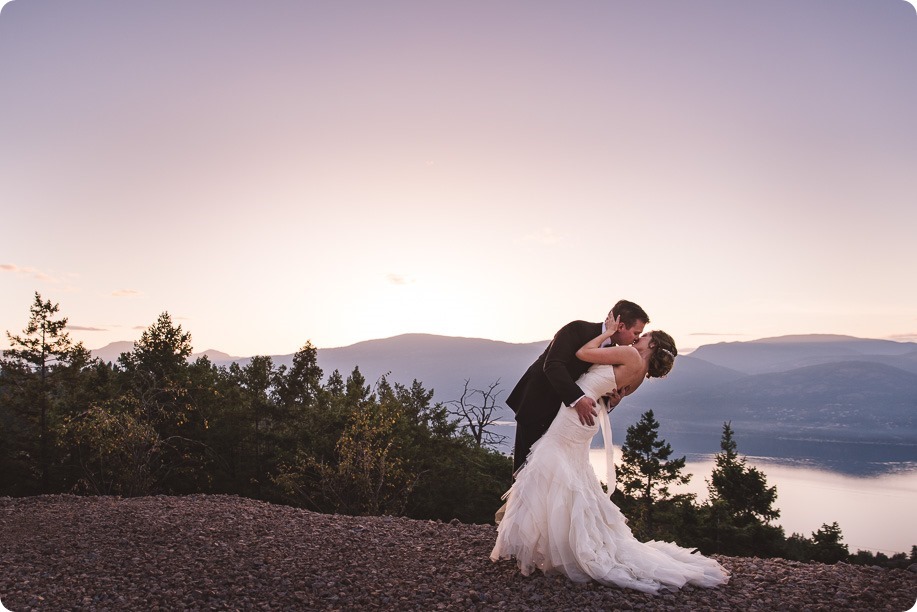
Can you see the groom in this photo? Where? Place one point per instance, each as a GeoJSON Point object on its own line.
{"type": "Point", "coordinates": [550, 381]}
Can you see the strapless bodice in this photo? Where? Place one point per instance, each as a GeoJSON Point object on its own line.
{"type": "Point", "coordinates": [598, 380]}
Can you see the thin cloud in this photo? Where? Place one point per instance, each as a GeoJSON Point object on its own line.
{"type": "Point", "coordinates": [545, 236]}
{"type": "Point", "coordinates": [84, 328]}
{"type": "Point", "coordinates": [125, 293]}
{"type": "Point", "coordinates": [904, 337]}
{"type": "Point", "coordinates": [26, 271]}
{"type": "Point", "coordinates": [398, 279]}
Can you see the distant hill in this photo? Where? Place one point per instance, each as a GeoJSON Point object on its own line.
{"type": "Point", "coordinates": [111, 352]}
{"type": "Point", "coordinates": [217, 357]}
{"type": "Point", "coordinates": [690, 374]}
{"type": "Point", "coordinates": [798, 388]}
{"type": "Point", "coordinates": [791, 352]}
{"type": "Point", "coordinates": [442, 364]}
{"type": "Point", "coordinates": [850, 400]}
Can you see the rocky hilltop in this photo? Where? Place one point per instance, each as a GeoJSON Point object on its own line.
{"type": "Point", "coordinates": [205, 552]}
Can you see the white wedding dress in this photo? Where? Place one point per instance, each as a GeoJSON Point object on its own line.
{"type": "Point", "coordinates": [559, 520]}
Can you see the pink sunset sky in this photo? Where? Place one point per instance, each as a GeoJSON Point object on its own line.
{"type": "Point", "coordinates": [282, 171]}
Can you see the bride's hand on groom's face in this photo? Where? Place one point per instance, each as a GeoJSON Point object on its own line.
{"type": "Point", "coordinates": [615, 324]}
{"type": "Point", "coordinates": [612, 326]}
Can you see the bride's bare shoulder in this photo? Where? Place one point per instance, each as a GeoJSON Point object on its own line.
{"type": "Point", "coordinates": [631, 355]}
{"type": "Point", "coordinates": [631, 368]}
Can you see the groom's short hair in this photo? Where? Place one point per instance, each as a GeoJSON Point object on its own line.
{"type": "Point", "coordinates": [630, 313]}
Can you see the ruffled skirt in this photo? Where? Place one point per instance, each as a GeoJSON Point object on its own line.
{"type": "Point", "coordinates": [559, 520]}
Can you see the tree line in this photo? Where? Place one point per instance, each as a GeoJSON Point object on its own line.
{"type": "Point", "coordinates": [157, 422]}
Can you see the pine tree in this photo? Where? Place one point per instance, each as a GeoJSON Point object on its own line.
{"type": "Point", "coordinates": [159, 373]}
{"type": "Point", "coordinates": [30, 369]}
{"type": "Point", "coordinates": [827, 547]}
{"type": "Point", "coordinates": [159, 393]}
{"type": "Point", "coordinates": [736, 519]}
{"type": "Point", "coordinates": [646, 471]}
{"type": "Point", "coordinates": [259, 422]}
{"type": "Point", "coordinates": [299, 388]}
{"type": "Point", "coordinates": [741, 490]}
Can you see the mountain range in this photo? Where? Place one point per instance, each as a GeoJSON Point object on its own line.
{"type": "Point", "coordinates": [838, 393]}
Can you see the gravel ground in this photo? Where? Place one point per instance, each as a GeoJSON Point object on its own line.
{"type": "Point", "coordinates": [203, 552]}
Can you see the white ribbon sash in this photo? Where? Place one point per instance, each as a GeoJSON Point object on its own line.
{"type": "Point", "coordinates": [605, 423]}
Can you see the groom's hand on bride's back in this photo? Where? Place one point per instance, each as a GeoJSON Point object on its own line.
{"type": "Point", "coordinates": [585, 408]}
{"type": "Point", "coordinates": [612, 399]}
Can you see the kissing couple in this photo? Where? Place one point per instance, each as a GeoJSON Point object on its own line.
{"type": "Point", "coordinates": [557, 518]}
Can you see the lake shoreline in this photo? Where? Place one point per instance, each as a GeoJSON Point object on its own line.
{"type": "Point", "coordinates": [875, 511]}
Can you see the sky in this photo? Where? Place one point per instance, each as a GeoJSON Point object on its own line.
{"type": "Point", "coordinates": [284, 172]}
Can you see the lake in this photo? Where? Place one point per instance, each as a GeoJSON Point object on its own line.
{"type": "Point", "coordinates": [875, 512]}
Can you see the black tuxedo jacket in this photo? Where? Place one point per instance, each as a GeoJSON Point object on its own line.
{"type": "Point", "coordinates": [550, 381]}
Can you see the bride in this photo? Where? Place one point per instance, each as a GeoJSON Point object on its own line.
{"type": "Point", "coordinates": [557, 517]}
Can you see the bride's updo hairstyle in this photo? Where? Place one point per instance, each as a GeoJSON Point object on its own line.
{"type": "Point", "coordinates": [663, 356]}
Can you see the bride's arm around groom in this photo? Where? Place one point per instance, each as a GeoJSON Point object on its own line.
{"type": "Point", "coordinates": [551, 380]}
